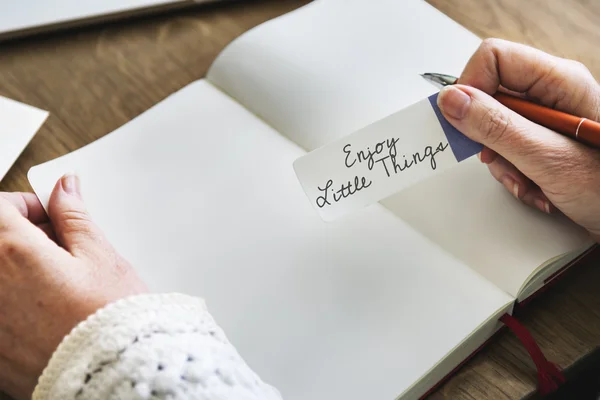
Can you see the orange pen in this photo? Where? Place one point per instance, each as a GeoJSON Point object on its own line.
{"type": "Point", "coordinates": [581, 129]}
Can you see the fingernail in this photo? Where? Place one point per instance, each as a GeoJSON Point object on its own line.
{"type": "Point", "coordinates": [454, 102]}
{"type": "Point", "coordinates": [511, 185]}
{"type": "Point", "coordinates": [70, 184]}
{"type": "Point", "coordinates": [479, 156]}
{"type": "Point", "coordinates": [543, 205]}
{"type": "Point", "coordinates": [540, 204]}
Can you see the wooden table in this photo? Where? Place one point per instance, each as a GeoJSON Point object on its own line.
{"type": "Point", "coordinates": [95, 79]}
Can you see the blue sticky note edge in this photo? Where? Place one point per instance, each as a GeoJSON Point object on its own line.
{"type": "Point", "coordinates": [461, 146]}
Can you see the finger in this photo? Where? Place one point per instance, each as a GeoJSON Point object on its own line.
{"type": "Point", "coordinates": [47, 228]}
{"type": "Point", "coordinates": [519, 185]}
{"type": "Point", "coordinates": [508, 175]}
{"type": "Point", "coordinates": [537, 152]}
{"type": "Point", "coordinates": [504, 90]}
{"type": "Point", "coordinates": [19, 238]}
{"type": "Point", "coordinates": [10, 217]}
{"type": "Point", "coordinates": [551, 81]}
{"type": "Point", "coordinates": [537, 199]}
{"type": "Point", "coordinates": [72, 224]}
{"type": "Point", "coordinates": [487, 155]}
{"type": "Point", "coordinates": [28, 205]}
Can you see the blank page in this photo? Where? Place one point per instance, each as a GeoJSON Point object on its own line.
{"type": "Point", "coordinates": [472, 216]}
{"type": "Point", "coordinates": [332, 67]}
{"type": "Point", "coordinates": [201, 197]}
{"type": "Point", "coordinates": [18, 125]}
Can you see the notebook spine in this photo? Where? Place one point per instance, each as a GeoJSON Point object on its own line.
{"type": "Point", "coordinates": [550, 377]}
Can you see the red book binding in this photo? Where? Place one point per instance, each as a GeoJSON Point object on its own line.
{"type": "Point", "coordinates": [550, 376]}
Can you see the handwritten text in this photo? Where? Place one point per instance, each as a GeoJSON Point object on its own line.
{"type": "Point", "coordinates": [386, 155]}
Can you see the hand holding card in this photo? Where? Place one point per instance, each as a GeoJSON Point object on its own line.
{"type": "Point", "coordinates": [382, 159]}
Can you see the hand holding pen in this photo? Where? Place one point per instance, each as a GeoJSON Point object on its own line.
{"type": "Point", "coordinates": [542, 168]}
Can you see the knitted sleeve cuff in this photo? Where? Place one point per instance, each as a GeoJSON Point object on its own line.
{"type": "Point", "coordinates": [159, 346]}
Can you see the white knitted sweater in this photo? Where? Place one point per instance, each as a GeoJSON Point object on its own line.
{"type": "Point", "coordinates": [150, 347]}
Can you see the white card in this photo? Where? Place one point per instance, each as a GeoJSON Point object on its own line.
{"type": "Point", "coordinates": [18, 125]}
{"type": "Point", "coordinates": [381, 159]}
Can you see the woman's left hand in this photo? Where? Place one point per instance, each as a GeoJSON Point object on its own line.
{"type": "Point", "coordinates": [54, 272]}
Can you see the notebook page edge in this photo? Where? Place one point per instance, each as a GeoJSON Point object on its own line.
{"type": "Point", "coordinates": [33, 170]}
{"type": "Point", "coordinates": [459, 353]}
{"type": "Point", "coordinates": [540, 277]}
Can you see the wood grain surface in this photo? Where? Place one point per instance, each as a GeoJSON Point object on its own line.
{"type": "Point", "coordinates": [95, 79]}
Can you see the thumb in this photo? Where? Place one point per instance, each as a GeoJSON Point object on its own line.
{"type": "Point", "coordinates": [533, 149]}
{"type": "Point", "coordinates": [72, 224]}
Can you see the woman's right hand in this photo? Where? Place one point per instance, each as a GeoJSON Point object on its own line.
{"type": "Point", "coordinates": [538, 166]}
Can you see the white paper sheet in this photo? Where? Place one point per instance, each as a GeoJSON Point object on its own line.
{"type": "Point", "coordinates": [381, 159]}
{"type": "Point", "coordinates": [202, 198]}
{"type": "Point", "coordinates": [18, 125]}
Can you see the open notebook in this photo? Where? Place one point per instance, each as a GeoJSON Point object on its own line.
{"type": "Point", "coordinates": [199, 193]}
